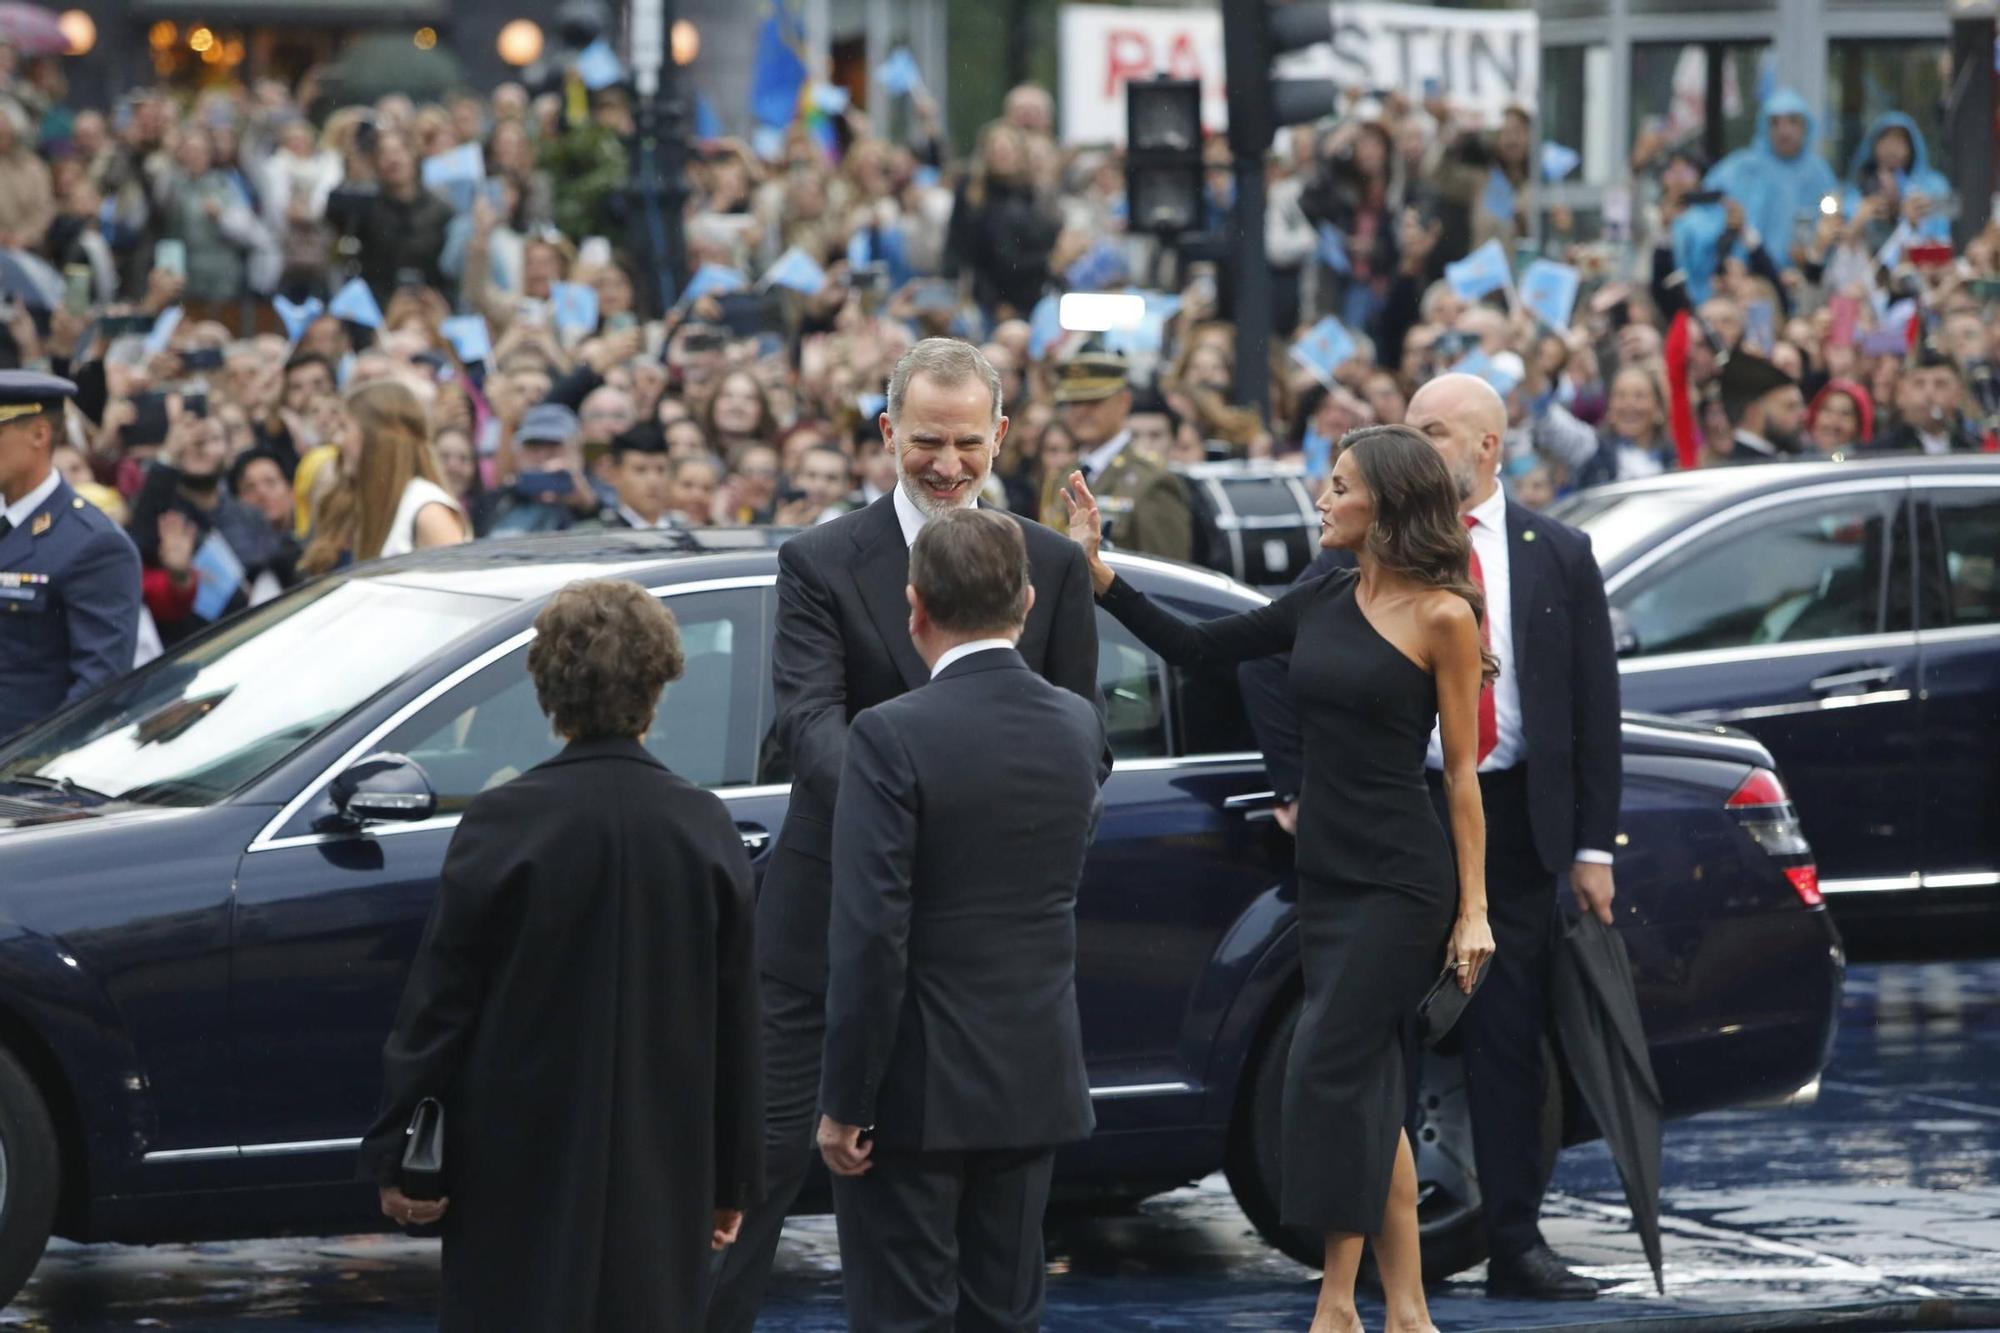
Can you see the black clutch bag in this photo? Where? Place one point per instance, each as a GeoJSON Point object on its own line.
{"type": "Point", "coordinates": [423, 1152]}
{"type": "Point", "coordinates": [1445, 1001]}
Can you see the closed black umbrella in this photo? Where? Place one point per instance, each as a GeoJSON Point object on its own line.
{"type": "Point", "coordinates": [1597, 1022]}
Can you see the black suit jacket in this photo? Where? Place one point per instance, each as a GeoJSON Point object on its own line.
{"type": "Point", "coordinates": [843, 644]}
{"type": "Point", "coordinates": [1567, 672]}
{"type": "Point", "coordinates": [965, 811]}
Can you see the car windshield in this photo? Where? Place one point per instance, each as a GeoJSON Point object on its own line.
{"type": "Point", "coordinates": [206, 719]}
{"type": "Point", "coordinates": [1623, 521]}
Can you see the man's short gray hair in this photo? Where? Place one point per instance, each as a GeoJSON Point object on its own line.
{"type": "Point", "coordinates": [947, 363]}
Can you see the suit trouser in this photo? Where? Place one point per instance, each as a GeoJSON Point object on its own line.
{"type": "Point", "coordinates": [1501, 1033]}
{"type": "Point", "coordinates": [794, 1035]}
{"type": "Point", "coordinates": [945, 1242]}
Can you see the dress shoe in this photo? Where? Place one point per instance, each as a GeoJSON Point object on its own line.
{"type": "Point", "coordinates": [1537, 1275]}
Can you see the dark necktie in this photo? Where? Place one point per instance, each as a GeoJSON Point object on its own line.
{"type": "Point", "coordinates": [6, 525]}
{"type": "Point", "coordinates": [1489, 717]}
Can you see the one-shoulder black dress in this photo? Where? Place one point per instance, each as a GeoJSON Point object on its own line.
{"type": "Point", "coordinates": [1377, 891]}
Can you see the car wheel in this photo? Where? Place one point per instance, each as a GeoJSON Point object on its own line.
{"type": "Point", "coordinates": [1447, 1180]}
{"type": "Point", "coordinates": [29, 1177]}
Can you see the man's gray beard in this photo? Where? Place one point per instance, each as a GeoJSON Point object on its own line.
{"type": "Point", "coordinates": [931, 508]}
{"type": "Point", "coordinates": [1467, 482]}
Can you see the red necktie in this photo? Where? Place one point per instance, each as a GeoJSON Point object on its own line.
{"type": "Point", "coordinates": [1489, 719]}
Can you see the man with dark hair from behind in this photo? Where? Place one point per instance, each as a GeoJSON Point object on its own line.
{"type": "Point", "coordinates": [953, 1045]}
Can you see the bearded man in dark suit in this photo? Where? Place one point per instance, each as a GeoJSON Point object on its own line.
{"type": "Point", "coordinates": [843, 645]}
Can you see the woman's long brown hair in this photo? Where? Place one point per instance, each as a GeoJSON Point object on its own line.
{"type": "Point", "coordinates": [1418, 531]}
{"type": "Point", "coordinates": [395, 446]}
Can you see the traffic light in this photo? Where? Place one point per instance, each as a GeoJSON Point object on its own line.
{"type": "Point", "coordinates": [1163, 191]}
{"type": "Point", "coordinates": [1254, 34]}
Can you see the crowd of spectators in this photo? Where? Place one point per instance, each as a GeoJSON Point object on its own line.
{"type": "Point", "coordinates": [228, 274]}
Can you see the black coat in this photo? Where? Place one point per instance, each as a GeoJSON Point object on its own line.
{"type": "Point", "coordinates": [1004, 243]}
{"type": "Point", "coordinates": [1567, 673]}
{"type": "Point", "coordinates": [842, 644]}
{"type": "Point", "coordinates": [584, 1003]}
{"type": "Point", "coordinates": [399, 235]}
{"type": "Point", "coordinates": [951, 1021]}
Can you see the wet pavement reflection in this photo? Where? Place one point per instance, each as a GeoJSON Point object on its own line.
{"type": "Point", "coordinates": [1888, 1188]}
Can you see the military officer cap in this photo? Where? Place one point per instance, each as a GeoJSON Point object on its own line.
{"type": "Point", "coordinates": [1088, 377]}
{"type": "Point", "coordinates": [24, 393]}
{"type": "Point", "coordinates": [1746, 377]}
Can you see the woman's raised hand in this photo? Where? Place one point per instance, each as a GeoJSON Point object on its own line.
{"type": "Point", "coordinates": [1086, 529]}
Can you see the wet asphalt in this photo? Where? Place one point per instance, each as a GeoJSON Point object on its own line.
{"type": "Point", "coordinates": [1884, 1193]}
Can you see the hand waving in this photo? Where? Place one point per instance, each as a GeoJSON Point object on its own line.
{"type": "Point", "coordinates": [1086, 529]}
{"type": "Point", "coordinates": [176, 542]}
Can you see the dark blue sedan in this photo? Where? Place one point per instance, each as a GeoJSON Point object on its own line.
{"type": "Point", "coordinates": [202, 940]}
{"type": "Point", "coordinates": [1848, 616]}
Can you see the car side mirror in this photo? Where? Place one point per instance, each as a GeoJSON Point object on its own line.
{"type": "Point", "coordinates": [1624, 639]}
{"type": "Point", "coordinates": [381, 788]}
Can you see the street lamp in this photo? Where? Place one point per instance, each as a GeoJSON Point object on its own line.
{"type": "Point", "coordinates": [520, 43]}
{"type": "Point", "coordinates": [79, 30]}
{"type": "Point", "coordinates": [685, 41]}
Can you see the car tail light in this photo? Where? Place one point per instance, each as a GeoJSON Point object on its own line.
{"type": "Point", "coordinates": [1762, 787]}
{"type": "Point", "coordinates": [1764, 808]}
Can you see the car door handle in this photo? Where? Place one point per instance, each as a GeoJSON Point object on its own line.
{"type": "Point", "coordinates": [755, 837]}
{"type": "Point", "coordinates": [1254, 806]}
{"type": "Point", "coordinates": [1840, 680]}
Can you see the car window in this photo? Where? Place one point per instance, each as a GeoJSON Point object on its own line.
{"type": "Point", "coordinates": [1134, 683]}
{"type": "Point", "coordinates": [1796, 574]}
{"type": "Point", "coordinates": [1963, 543]}
{"type": "Point", "coordinates": [491, 729]}
{"type": "Point", "coordinates": [222, 709]}
{"type": "Point", "coordinates": [1621, 522]}
{"type": "Point", "coordinates": [1208, 705]}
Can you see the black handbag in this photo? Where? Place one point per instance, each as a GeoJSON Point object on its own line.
{"type": "Point", "coordinates": [1445, 1001]}
{"type": "Point", "coordinates": [423, 1152]}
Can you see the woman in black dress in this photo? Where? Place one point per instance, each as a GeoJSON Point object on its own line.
{"type": "Point", "coordinates": [1379, 656]}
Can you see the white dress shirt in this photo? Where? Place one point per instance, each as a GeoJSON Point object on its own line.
{"type": "Point", "coordinates": [24, 508]}
{"type": "Point", "coordinates": [910, 517]}
{"type": "Point", "coordinates": [1489, 543]}
{"type": "Point", "coordinates": [966, 650]}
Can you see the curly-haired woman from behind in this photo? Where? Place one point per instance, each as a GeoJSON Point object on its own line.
{"type": "Point", "coordinates": [1380, 655]}
{"type": "Point", "coordinates": [583, 1005]}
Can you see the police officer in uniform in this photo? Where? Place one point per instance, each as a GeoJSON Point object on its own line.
{"type": "Point", "coordinates": [69, 578]}
{"type": "Point", "coordinates": [1145, 506]}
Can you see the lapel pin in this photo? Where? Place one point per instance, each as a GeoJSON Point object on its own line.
{"type": "Point", "coordinates": [43, 522]}
{"type": "Point", "coordinates": [1528, 536]}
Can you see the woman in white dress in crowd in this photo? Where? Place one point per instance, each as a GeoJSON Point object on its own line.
{"type": "Point", "coordinates": [389, 498]}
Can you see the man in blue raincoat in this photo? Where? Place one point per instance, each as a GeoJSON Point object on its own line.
{"type": "Point", "coordinates": [1892, 177]}
{"type": "Point", "coordinates": [1780, 179]}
